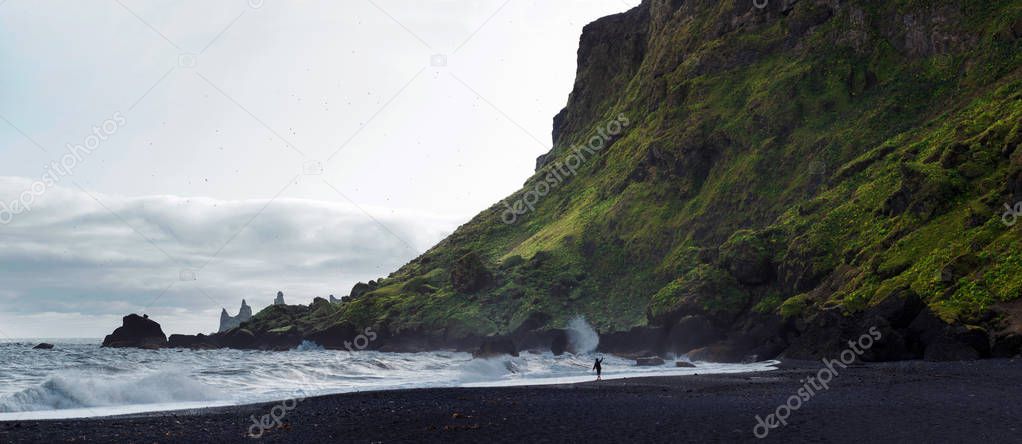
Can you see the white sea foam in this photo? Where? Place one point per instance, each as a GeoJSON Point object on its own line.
{"type": "Point", "coordinates": [75, 390]}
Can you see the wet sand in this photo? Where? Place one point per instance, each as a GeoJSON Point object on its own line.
{"type": "Point", "coordinates": [891, 402]}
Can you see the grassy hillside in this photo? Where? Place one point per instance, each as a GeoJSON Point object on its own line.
{"type": "Point", "coordinates": [776, 162]}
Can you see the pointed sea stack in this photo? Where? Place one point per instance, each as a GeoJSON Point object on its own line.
{"type": "Point", "coordinates": [228, 322]}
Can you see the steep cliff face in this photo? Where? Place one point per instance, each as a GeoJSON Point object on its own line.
{"type": "Point", "coordinates": [756, 180]}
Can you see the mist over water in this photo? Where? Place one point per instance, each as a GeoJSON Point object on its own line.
{"type": "Point", "coordinates": [582, 338]}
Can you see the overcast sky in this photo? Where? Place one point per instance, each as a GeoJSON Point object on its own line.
{"type": "Point", "coordinates": [222, 150]}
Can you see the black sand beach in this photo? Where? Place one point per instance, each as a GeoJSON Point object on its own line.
{"type": "Point", "coordinates": [977, 401]}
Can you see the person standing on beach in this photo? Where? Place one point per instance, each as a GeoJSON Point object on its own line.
{"type": "Point", "coordinates": [599, 368]}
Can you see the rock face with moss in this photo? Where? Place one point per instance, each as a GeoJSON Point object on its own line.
{"type": "Point", "coordinates": [788, 178]}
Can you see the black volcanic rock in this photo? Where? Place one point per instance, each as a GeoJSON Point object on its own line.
{"type": "Point", "coordinates": [196, 342]}
{"type": "Point", "coordinates": [43, 346]}
{"type": "Point", "coordinates": [692, 332]}
{"type": "Point", "coordinates": [136, 332]}
{"type": "Point", "coordinates": [649, 361]}
{"type": "Point", "coordinates": [240, 338]}
{"type": "Point", "coordinates": [496, 346]}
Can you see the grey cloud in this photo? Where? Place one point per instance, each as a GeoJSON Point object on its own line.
{"type": "Point", "coordinates": [71, 256]}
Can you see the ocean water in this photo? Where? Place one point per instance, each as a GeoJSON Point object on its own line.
{"type": "Point", "coordinates": [78, 378]}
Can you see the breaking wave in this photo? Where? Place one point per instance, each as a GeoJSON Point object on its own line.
{"type": "Point", "coordinates": [72, 390]}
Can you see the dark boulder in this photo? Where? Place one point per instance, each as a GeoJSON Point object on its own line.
{"type": "Point", "coordinates": [684, 364]}
{"type": "Point", "coordinates": [720, 352]}
{"type": "Point", "coordinates": [559, 344]}
{"type": "Point", "coordinates": [136, 332]}
{"type": "Point", "coordinates": [43, 346]}
{"type": "Point", "coordinates": [1007, 345]}
{"type": "Point", "coordinates": [941, 341]}
{"type": "Point", "coordinates": [762, 335]}
{"type": "Point", "coordinates": [649, 361]}
{"type": "Point", "coordinates": [533, 334]}
{"type": "Point", "coordinates": [891, 318]}
{"type": "Point", "coordinates": [495, 346]}
{"type": "Point", "coordinates": [638, 341]}
{"type": "Point", "coordinates": [824, 335]}
{"type": "Point", "coordinates": [900, 308]}
{"type": "Point", "coordinates": [692, 332]}
{"type": "Point", "coordinates": [948, 349]}
{"type": "Point", "coordinates": [893, 345]}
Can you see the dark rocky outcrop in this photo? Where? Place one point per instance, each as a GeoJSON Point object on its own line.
{"type": "Point", "coordinates": [907, 328]}
{"type": "Point", "coordinates": [136, 332]}
{"type": "Point", "coordinates": [638, 341]}
{"type": "Point", "coordinates": [692, 332]}
{"type": "Point", "coordinates": [941, 341]}
{"type": "Point", "coordinates": [495, 346]}
{"type": "Point", "coordinates": [720, 352]}
{"type": "Point", "coordinates": [1007, 346]}
{"type": "Point", "coordinates": [195, 342]}
{"type": "Point", "coordinates": [649, 361]}
{"type": "Point", "coordinates": [559, 344]}
{"type": "Point", "coordinates": [43, 346]}
{"type": "Point", "coordinates": [239, 338]}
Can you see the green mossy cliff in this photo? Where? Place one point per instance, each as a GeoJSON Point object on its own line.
{"type": "Point", "coordinates": [781, 176]}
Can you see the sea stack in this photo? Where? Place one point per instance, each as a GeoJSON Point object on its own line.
{"type": "Point", "coordinates": [136, 332]}
{"type": "Point", "coordinates": [228, 322]}
{"type": "Point", "coordinates": [280, 298]}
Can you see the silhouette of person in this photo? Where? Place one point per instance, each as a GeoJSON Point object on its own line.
{"type": "Point", "coordinates": [598, 366]}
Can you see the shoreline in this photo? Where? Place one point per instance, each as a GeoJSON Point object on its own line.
{"type": "Point", "coordinates": [909, 401]}
{"type": "Point", "coordinates": [175, 408]}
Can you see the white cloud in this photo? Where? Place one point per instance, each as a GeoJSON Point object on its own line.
{"type": "Point", "coordinates": [73, 255]}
